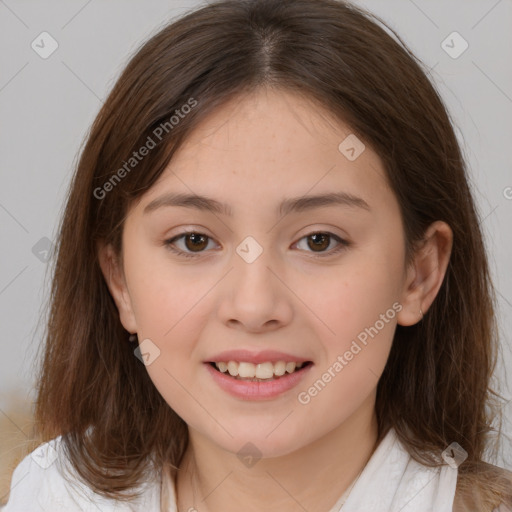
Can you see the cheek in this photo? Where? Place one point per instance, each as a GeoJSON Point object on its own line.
{"type": "Point", "coordinates": [163, 297]}
{"type": "Point", "coordinates": [171, 308]}
{"type": "Point", "coordinates": [358, 311]}
{"type": "Point", "coordinates": [361, 311]}
{"type": "Point", "coordinates": [353, 296]}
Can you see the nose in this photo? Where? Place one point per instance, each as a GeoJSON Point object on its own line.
{"type": "Point", "coordinates": [255, 297]}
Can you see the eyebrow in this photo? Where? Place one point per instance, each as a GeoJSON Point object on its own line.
{"type": "Point", "coordinates": [294, 204]}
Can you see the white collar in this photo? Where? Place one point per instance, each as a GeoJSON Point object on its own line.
{"type": "Point", "coordinates": [391, 481]}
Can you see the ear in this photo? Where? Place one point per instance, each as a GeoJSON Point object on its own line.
{"type": "Point", "coordinates": [425, 275]}
{"type": "Point", "coordinates": [114, 277]}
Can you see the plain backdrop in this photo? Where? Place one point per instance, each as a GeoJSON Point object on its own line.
{"type": "Point", "coordinates": [48, 104]}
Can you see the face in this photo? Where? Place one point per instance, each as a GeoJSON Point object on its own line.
{"type": "Point", "coordinates": [320, 283]}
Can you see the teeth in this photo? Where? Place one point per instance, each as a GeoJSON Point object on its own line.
{"type": "Point", "coordinates": [279, 368]}
{"type": "Point", "coordinates": [233, 368]}
{"type": "Point", "coordinates": [268, 370]}
{"type": "Point", "coordinates": [223, 367]}
{"type": "Point", "coordinates": [290, 367]}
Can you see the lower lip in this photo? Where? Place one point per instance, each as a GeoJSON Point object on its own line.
{"type": "Point", "coordinates": [249, 390]}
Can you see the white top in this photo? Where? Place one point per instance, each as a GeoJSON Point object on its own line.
{"type": "Point", "coordinates": [391, 481]}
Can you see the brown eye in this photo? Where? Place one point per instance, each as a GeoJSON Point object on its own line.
{"type": "Point", "coordinates": [195, 244]}
{"type": "Point", "coordinates": [319, 241]}
{"type": "Point", "coordinates": [197, 241]}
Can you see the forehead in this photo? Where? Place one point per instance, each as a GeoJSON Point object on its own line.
{"type": "Point", "coordinates": [261, 147]}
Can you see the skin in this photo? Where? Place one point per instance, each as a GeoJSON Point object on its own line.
{"type": "Point", "coordinates": [252, 153]}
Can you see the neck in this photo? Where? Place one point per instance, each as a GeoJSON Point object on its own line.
{"type": "Point", "coordinates": [313, 478]}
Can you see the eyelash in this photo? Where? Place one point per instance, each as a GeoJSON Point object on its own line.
{"type": "Point", "coordinates": [343, 244]}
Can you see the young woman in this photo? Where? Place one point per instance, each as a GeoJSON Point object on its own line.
{"type": "Point", "coordinates": [272, 201]}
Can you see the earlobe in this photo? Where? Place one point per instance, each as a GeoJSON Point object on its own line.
{"type": "Point", "coordinates": [426, 273]}
{"type": "Point", "coordinates": [114, 277]}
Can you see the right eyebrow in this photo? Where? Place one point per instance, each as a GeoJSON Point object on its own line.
{"type": "Point", "coordinates": [294, 204]}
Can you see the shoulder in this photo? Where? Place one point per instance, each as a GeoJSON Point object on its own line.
{"type": "Point", "coordinates": [477, 493]}
{"type": "Point", "coordinates": [503, 508]}
{"type": "Point", "coordinates": [44, 481]}
{"type": "Point", "coordinates": [505, 477]}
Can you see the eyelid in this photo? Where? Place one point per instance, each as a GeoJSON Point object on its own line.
{"type": "Point", "coordinates": [342, 244]}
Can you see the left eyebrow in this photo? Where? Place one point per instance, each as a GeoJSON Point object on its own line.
{"type": "Point", "coordinates": [294, 204]}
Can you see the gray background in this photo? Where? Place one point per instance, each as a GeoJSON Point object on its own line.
{"type": "Point", "coordinates": [48, 105]}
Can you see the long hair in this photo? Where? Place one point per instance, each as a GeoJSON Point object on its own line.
{"type": "Point", "coordinates": [436, 387]}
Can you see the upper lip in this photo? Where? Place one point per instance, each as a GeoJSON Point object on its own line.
{"type": "Point", "coordinates": [255, 357]}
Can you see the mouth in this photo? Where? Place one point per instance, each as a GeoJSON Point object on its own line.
{"type": "Point", "coordinates": [261, 372]}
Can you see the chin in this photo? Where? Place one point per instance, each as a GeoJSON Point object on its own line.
{"type": "Point", "coordinates": [262, 442]}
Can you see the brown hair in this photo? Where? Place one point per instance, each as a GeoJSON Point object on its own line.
{"type": "Point", "coordinates": [435, 388]}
